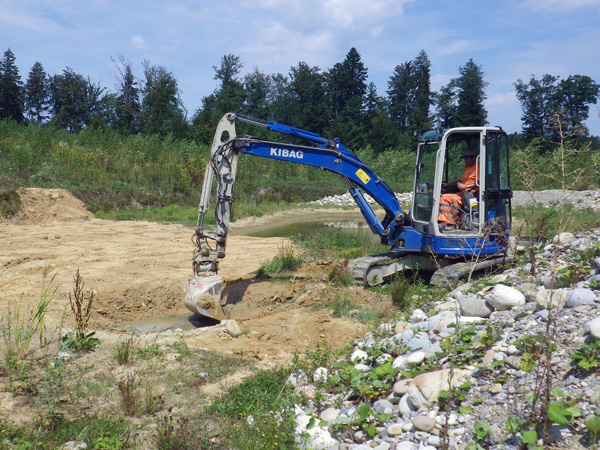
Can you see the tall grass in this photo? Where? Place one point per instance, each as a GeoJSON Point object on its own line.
{"type": "Point", "coordinates": [17, 329]}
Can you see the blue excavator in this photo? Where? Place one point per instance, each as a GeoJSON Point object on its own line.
{"type": "Point", "coordinates": [477, 241]}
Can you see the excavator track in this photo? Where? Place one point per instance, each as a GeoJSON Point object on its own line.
{"type": "Point", "coordinates": [374, 270]}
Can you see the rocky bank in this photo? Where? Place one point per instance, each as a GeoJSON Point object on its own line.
{"type": "Point", "coordinates": [500, 347]}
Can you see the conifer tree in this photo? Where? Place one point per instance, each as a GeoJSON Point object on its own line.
{"type": "Point", "coordinates": [37, 94]}
{"type": "Point", "coordinates": [471, 86]}
{"type": "Point", "coordinates": [11, 89]}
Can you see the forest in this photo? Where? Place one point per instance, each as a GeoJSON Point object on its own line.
{"type": "Point", "coordinates": [139, 145]}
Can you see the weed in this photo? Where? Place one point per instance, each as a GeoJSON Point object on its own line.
{"type": "Point", "coordinates": [399, 289]}
{"type": "Point", "coordinates": [152, 402]}
{"type": "Point", "coordinates": [150, 351]}
{"type": "Point", "coordinates": [17, 331]}
{"type": "Point", "coordinates": [593, 427]}
{"type": "Point", "coordinates": [343, 307]}
{"type": "Point", "coordinates": [588, 356]}
{"type": "Point", "coordinates": [337, 244]}
{"type": "Point", "coordinates": [182, 349]}
{"type": "Point", "coordinates": [129, 397]}
{"type": "Point", "coordinates": [338, 275]}
{"type": "Point", "coordinates": [246, 414]}
{"type": "Point", "coordinates": [123, 351]}
{"type": "Point", "coordinates": [285, 261]}
{"type": "Point", "coordinates": [175, 434]}
{"type": "Point", "coordinates": [81, 306]}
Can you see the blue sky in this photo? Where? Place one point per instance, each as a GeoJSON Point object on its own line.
{"type": "Point", "coordinates": [509, 39]}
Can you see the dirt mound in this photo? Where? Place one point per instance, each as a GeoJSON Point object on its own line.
{"type": "Point", "coordinates": [43, 206]}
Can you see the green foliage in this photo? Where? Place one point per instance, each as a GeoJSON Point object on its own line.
{"type": "Point", "coordinates": [593, 426]}
{"type": "Point", "coordinates": [544, 223]}
{"type": "Point", "coordinates": [588, 356]}
{"type": "Point", "coordinates": [337, 244]}
{"type": "Point", "coordinates": [17, 331]}
{"type": "Point", "coordinates": [483, 433]}
{"type": "Point", "coordinates": [123, 351]}
{"type": "Point", "coordinates": [80, 342]}
{"type": "Point", "coordinates": [246, 414]}
{"type": "Point", "coordinates": [343, 307]}
{"type": "Point", "coordinates": [286, 261]}
{"type": "Point", "coordinates": [564, 410]}
{"type": "Point", "coordinates": [100, 434]}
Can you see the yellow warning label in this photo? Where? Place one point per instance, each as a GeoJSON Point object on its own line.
{"type": "Point", "coordinates": [363, 176]}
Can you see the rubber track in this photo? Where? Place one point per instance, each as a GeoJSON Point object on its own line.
{"type": "Point", "coordinates": [359, 268]}
{"type": "Point", "coordinates": [449, 276]}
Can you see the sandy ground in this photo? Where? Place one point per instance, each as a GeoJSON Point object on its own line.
{"type": "Point", "coordinates": [138, 270]}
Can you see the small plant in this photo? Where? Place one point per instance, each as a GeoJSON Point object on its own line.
{"type": "Point", "coordinates": [483, 434]}
{"type": "Point", "coordinates": [124, 350]}
{"type": "Point", "coordinates": [285, 261]}
{"type": "Point", "coordinates": [151, 351]}
{"type": "Point", "coordinates": [588, 356]}
{"type": "Point", "coordinates": [129, 397]}
{"type": "Point", "coordinates": [17, 331]}
{"type": "Point", "coordinates": [81, 305]}
{"type": "Point", "coordinates": [593, 426]}
{"type": "Point", "coordinates": [182, 348]}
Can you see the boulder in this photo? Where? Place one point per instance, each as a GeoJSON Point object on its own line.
{"type": "Point", "coordinates": [472, 306]}
{"type": "Point", "coordinates": [563, 238]}
{"type": "Point", "coordinates": [579, 296]}
{"type": "Point", "coordinates": [504, 298]}
{"type": "Point", "coordinates": [425, 388]}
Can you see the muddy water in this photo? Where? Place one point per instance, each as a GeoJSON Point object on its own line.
{"type": "Point", "coordinates": [351, 222]}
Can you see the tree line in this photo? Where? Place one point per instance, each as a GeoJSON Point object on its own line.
{"type": "Point", "coordinates": [335, 102]}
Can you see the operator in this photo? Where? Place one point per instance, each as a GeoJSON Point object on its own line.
{"type": "Point", "coordinates": [451, 202]}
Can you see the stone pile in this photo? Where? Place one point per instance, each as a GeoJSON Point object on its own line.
{"type": "Point", "coordinates": [549, 198]}
{"type": "Point", "coordinates": [560, 301]}
{"type": "Point", "coordinates": [347, 200]}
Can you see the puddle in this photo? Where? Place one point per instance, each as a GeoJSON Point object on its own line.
{"type": "Point", "coordinates": [309, 227]}
{"type": "Point", "coordinates": [185, 321]}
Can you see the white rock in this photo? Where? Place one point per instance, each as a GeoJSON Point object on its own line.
{"type": "Point", "coordinates": [406, 406]}
{"type": "Point", "coordinates": [395, 429]}
{"type": "Point", "coordinates": [320, 375]}
{"type": "Point", "coordinates": [359, 355]}
{"type": "Point", "coordinates": [504, 298]}
{"type": "Point", "coordinates": [362, 367]}
{"type": "Point", "coordinates": [594, 326]}
{"type": "Point", "coordinates": [405, 445]}
{"type": "Point", "coordinates": [330, 414]}
{"type": "Point", "coordinates": [233, 328]}
{"type": "Point", "coordinates": [401, 327]}
{"type": "Point", "coordinates": [425, 388]}
{"type": "Point", "coordinates": [318, 438]}
{"type": "Point", "coordinates": [418, 316]}
{"type": "Point", "coordinates": [73, 445]}
{"type": "Point", "coordinates": [563, 238]}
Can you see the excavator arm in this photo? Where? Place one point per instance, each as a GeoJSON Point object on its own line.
{"type": "Point", "coordinates": [204, 288]}
{"type": "Point", "coordinates": [327, 154]}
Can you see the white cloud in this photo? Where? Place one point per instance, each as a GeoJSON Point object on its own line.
{"type": "Point", "coordinates": [502, 98]}
{"type": "Point", "coordinates": [30, 21]}
{"type": "Point", "coordinates": [138, 42]}
{"type": "Point", "coordinates": [353, 13]}
{"type": "Point", "coordinates": [275, 45]}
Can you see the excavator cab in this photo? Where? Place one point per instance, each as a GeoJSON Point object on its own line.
{"type": "Point", "coordinates": [483, 209]}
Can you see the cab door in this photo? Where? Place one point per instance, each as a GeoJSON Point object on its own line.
{"type": "Point", "coordinates": [498, 193]}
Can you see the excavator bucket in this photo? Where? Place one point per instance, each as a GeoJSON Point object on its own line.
{"type": "Point", "coordinates": [203, 296]}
